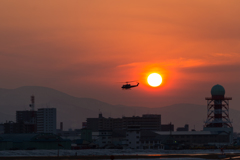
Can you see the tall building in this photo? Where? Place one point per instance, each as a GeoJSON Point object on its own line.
{"type": "Point", "coordinates": [29, 119]}
{"type": "Point", "coordinates": [46, 120]}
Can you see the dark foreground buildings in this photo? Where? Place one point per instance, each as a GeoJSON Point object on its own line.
{"type": "Point", "coordinates": [33, 141]}
{"type": "Point", "coordinates": [148, 132]}
{"type": "Point", "coordinates": [30, 121]}
{"type": "Point", "coordinates": [150, 122]}
{"type": "Point", "coordinates": [145, 132]}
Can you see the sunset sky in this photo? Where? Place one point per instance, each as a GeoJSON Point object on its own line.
{"type": "Point", "coordinates": [85, 47]}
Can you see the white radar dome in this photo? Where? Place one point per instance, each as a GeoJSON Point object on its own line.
{"type": "Point", "coordinates": [218, 90]}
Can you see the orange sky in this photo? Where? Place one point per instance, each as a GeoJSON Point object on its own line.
{"type": "Point", "coordinates": [84, 48]}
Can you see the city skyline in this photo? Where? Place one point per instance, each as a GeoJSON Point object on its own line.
{"type": "Point", "coordinates": [84, 48]}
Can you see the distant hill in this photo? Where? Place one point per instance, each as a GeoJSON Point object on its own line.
{"type": "Point", "coordinates": [72, 111]}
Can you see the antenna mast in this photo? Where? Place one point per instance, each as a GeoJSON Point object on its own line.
{"type": "Point", "coordinates": [32, 104]}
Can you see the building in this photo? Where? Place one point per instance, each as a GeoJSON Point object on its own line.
{"type": "Point", "coordinates": [146, 122]}
{"type": "Point", "coordinates": [167, 127]}
{"type": "Point", "coordinates": [46, 120]}
{"type": "Point", "coordinates": [150, 140]}
{"type": "Point", "coordinates": [185, 128]}
{"type": "Point", "coordinates": [105, 138]}
{"type": "Point", "coordinates": [29, 119]}
{"type": "Point", "coordinates": [70, 134]}
{"type": "Point", "coordinates": [119, 139]}
{"type": "Point", "coordinates": [12, 127]}
{"type": "Point", "coordinates": [93, 123]}
{"type": "Point", "coordinates": [26, 121]}
{"type": "Point", "coordinates": [132, 138]}
{"type": "Point", "coordinates": [133, 135]}
{"type": "Point", "coordinates": [198, 137]}
{"type": "Point", "coordinates": [26, 116]}
{"type": "Point", "coordinates": [33, 141]}
{"type": "Point", "coordinates": [86, 134]}
{"type": "Point", "coordinates": [218, 129]}
{"type": "Point", "coordinates": [1, 128]}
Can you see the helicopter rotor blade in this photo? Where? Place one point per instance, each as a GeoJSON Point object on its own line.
{"type": "Point", "coordinates": [128, 81]}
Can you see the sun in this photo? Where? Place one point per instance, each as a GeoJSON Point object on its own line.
{"type": "Point", "coordinates": [154, 79]}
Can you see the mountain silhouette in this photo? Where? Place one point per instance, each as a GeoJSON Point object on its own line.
{"type": "Point", "coordinates": [72, 111]}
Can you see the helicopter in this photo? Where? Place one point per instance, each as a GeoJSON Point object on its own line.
{"type": "Point", "coordinates": [129, 86]}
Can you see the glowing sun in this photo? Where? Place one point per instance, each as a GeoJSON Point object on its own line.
{"type": "Point", "coordinates": [154, 79]}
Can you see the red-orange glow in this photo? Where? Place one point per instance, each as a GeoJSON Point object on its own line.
{"type": "Point", "coordinates": [85, 47]}
{"type": "Point", "coordinates": [154, 79]}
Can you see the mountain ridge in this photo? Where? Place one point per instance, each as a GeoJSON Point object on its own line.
{"type": "Point", "coordinates": [72, 111]}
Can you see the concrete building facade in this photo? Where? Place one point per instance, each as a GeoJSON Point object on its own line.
{"type": "Point", "coordinates": [46, 120]}
{"type": "Point", "coordinates": [146, 122]}
{"type": "Point", "coordinates": [29, 119]}
{"type": "Point", "coordinates": [133, 135]}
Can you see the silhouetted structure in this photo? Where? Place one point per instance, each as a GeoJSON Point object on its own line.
{"type": "Point", "coordinates": [167, 127]}
{"type": "Point", "coordinates": [42, 121]}
{"type": "Point", "coordinates": [86, 134]}
{"type": "Point", "coordinates": [218, 109]}
{"type": "Point", "coordinates": [61, 126]}
{"type": "Point", "coordinates": [12, 127]}
{"type": "Point", "coordinates": [198, 137]}
{"type": "Point", "coordinates": [46, 120]}
{"type": "Point", "coordinates": [146, 122]}
{"type": "Point", "coordinates": [218, 112]}
{"type": "Point", "coordinates": [32, 141]}
{"type": "Point", "coordinates": [185, 128]}
{"type": "Point", "coordinates": [29, 119]}
{"type": "Point", "coordinates": [218, 128]}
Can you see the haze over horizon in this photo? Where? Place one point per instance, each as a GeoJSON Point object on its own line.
{"type": "Point", "coordinates": [84, 48]}
{"type": "Point", "coordinates": [79, 109]}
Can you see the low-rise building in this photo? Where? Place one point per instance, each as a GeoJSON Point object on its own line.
{"type": "Point", "coordinates": [185, 128]}
{"type": "Point", "coordinates": [105, 138]}
{"type": "Point", "coordinates": [33, 141]}
{"type": "Point", "coordinates": [133, 135]}
{"type": "Point", "coordinates": [198, 137]}
{"type": "Point", "coordinates": [146, 122]}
